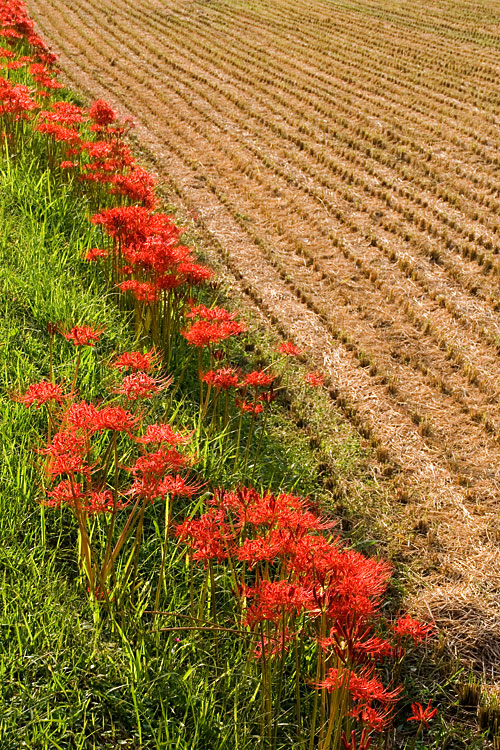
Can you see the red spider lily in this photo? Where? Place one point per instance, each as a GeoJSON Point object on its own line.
{"type": "Point", "coordinates": [143, 291]}
{"type": "Point", "coordinates": [163, 433]}
{"type": "Point", "coordinates": [242, 498]}
{"type": "Point", "coordinates": [177, 486]}
{"type": "Point", "coordinates": [285, 511]}
{"type": "Point", "coordinates": [418, 631]}
{"type": "Point", "coordinates": [267, 397]}
{"type": "Point", "coordinates": [141, 385]}
{"type": "Point", "coordinates": [289, 349]}
{"type": "Point", "coordinates": [49, 58]}
{"type": "Point", "coordinates": [64, 113]}
{"type": "Point", "coordinates": [347, 585]}
{"type": "Point", "coordinates": [102, 113]}
{"type": "Point", "coordinates": [263, 548]}
{"type": "Point", "coordinates": [66, 441]}
{"type": "Point", "coordinates": [202, 333]}
{"type": "Point", "coordinates": [422, 715]}
{"type": "Point", "coordinates": [158, 463]}
{"type": "Point", "coordinates": [209, 537]}
{"type": "Point", "coordinates": [40, 393]}
{"type": "Point", "coordinates": [211, 313]}
{"type": "Point", "coordinates": [14, 16]}
{"type": "Point", "coordinates": [59, 132]}
{"type": "Point", "coordinates": [43, 76]}
{"type": "Point", "coordinates": [21, 62]}
{"type": "Point", "coordinates": [376, 719]}
{"type": "Point", "coordinates": [15, 99]}
{"type": "Point", "coordinates": [83, 415]}
{"type": "Point", "coordinates": [65, 493]}
{"type": "Point", "coordinates": [132, 225]}
{"type": "Point", "coordinates": [159, 250]}
{"type": "Point", "coordinates": [106, 160]}
{"type": "Point", "coordinates": [355, 585]}
{"type": "Point", "coordinates": [10, 34]}
{"type": "Point", "coordinates": [16, 23]}
{"type": "Point", "coordinates": [136, 361]}
{"type": "Point", "coordinates": [247, 406]}
{"type": "Point", "coordinates": [169, 281]}
{"type": "Point", "coordinates": [222, 379]}
{"type": "Point", "coordinates": [117, 131]}
{"type": "Point", "coordinates": [145, 488]}
{"type": "Point", "coordinates": [71, 165]}
{"type": "Point", "coordinates": [103, 502]}
{"type": "Point", "coordinates": [352, 744]}
{"type": "Point", "coordinates": [316, 379]}
{"type": "Point", "coordinates": [150, 487]}
{"type": "Point", "coordinates": [95, 252]}
{"type": "Point", "coordinates": [363, 688]}
{"type": "Point", "coordinates": [355, 643]}
{"type": "Point", "coordinates": [194, 273]}
{"type": "Point", "coordinates": [138, 186]}
{"type": "Point", "coordinates": [258, 378]}
{"type": "Point", "coordinates": [83, 335]}
{"type": "Point", "coordinates": [71, 494]}
{"type": "Point", "coordinates": [66, 454]}
{"type": "Point", "coordinates": [288, 513]}
{"type": "Point", "coordinates": [273, 598]}
{"type": "Point", "coordinates": [116, 419]}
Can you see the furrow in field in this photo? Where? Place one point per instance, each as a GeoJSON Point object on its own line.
{"type": "Point", "coordinates": [453, 222]}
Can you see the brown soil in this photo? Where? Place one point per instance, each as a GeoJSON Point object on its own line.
{"type": "Point", "coordinates": [343, 162]}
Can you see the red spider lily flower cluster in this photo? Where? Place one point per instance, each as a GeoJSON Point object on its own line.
{"type": "Point", "coordinates": [16, 100]}
{"type": "Point", "coordinates": [95, 253]}
{"type": "Point", "coordinates": [257, 379]}
{"type": "Point", "coordinates": [41, 393]}
{"type": "Point", "coordinates": [102, 113]}
{"type": "Point", "coordinates": [422, 715]}
{"type": "Point", "coordinates": [105, 163]}
{"type": "Point", "coordinates": [161, 273]}
{"type": "Point", "coordinates": [407, 628]}
{"type": "Point", "coordinates": [141, 385]}
{"type": "Point", "coordinates": [83, 462]}
{"type": "Point", "coordinates": [248, 407]}
{"type": "Point", "coordinates": [163, 433]}
{"type": "Point", "coordinates": [211, 325]}
{"type": "Point", "coordinates": [16, 25]}
{"type": "Point", "coordinates": [293, 581]}
{"type": "Point", "coordinates": [316, 379]}
{"type": "Point", "coordinates": [364, 689]}
{"type": "Point", "coordinates": [83, 335]}
{"type": "Point", "coordinates": [222, 379]}
{"type": "Point", "coordinates": [289, 349]}
{"type": "Point", "coordinates": [257, 389]}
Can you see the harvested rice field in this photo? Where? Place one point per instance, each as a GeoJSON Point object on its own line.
{"type": "Point", "coordinates": [342, 160]}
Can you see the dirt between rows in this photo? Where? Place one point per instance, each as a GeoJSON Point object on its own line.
{"type": "Point", "coordinates": [438, 423]}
